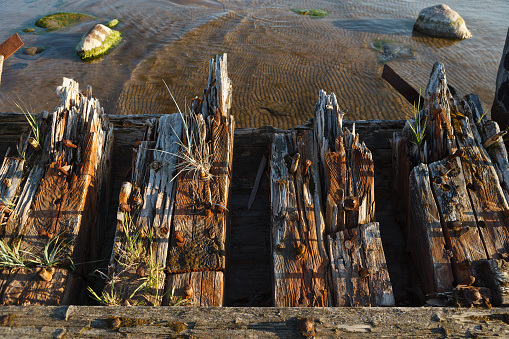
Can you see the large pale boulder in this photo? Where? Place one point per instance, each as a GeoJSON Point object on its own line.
{"type": "Point", "coordinates": [500, 107]}
{"type": "Point", "coordinates": [97, 42]}
{"type": "Point", "coordinates": [441, 21]}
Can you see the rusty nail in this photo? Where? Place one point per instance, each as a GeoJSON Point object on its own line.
{"type": "Point", "coordinates": [165, 230]}
{"type": "Point", "coordinates": [307, 164]}
{"type": "Point", "coordinates": [62, 170]}
{"type": "Point", "coordinates": [301, 249]}
{"type": "Point", "coordinates": [188, 290]}
{"type": "Point", "coordinates": [220, 208]}
{"type": "Point", "coordinates": [137, 200]}
{"type": "Point", "coordinates": [7, 182]}
{"type": "Point", "coordinates": [4, 208]}
{"type": "Point", "coordinates": [351, 204]}
{"type": "Point", "coordinates": [207, 212]}
{"type": "Point", "coordinates": [68, 143]}
{"type": "Point", "coordinates": [141, 271]}
{"type": "Point", "coordinates": [365, 273]}
{"type": "Point", "coordinates": [46, 274]}
{"type": "Point", "coordinates": [458, 154]}
{"type": "Point", "coordinates": [115, 323]}
{"type": "Point", "coordinates": [307, 327]}
{"type": "Point", "coordinates": [455, 225]}
{"type": "Point", "coordinates": [125, 207]}
{"type": "Point", "coordinates": [179, 239]}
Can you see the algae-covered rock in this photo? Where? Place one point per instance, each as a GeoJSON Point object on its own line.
{"type": "Point", "coordinates": [97, 42]}
{"type": "Point", "coordinates": [28, 30]}
{"type": "Point", "coordinates": [112, 24]}
{"type": "Point", "coordinates": [58, 20]}
{"type": "Point", "coordinates": [313, 12]}
{"type": "Point", "coordinates": [441, 21]}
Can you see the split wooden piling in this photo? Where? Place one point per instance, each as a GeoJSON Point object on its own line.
{"type": "Point", "coordinates": [345, 239]}
{"type": "Point", "coordinates": [455, 211]}
{"type": "Point", "coordinates": [51, 195]}
{"type": "Point", "coordinates": [174, 212]}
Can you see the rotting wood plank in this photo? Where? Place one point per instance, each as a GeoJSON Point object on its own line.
{"type": "Point", "coordinates": [179, 188]}
{"type": "Point", "coordinates": [299, 259]}
{"type": "Point", "coordinates": [429, 248]}
{"type": "Point", "coordinates": [359, 271]}
{"type": "Point", "coordinates": [195, 289]}
{"type": "Point", "coordinates": [460, 228]}
{"type": "Point", "coordinates": [249, 322]}
{"type": "Point", "coordinates": [468, 190]}
{"type": "Point", "coordinates": [56, 208]}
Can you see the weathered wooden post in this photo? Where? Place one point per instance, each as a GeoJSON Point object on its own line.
{"type": "Point", "coordinates": [172, 216]}
{"type": "Point", "coordinates": [458, 198]}
{"type": "Point", "coordinates": [51, 192]}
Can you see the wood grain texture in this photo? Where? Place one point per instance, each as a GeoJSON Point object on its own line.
{"type": "Point", "coordinates": [299, 259]}
{"type": "Point", "coordinates": [428, 244]}
{"type": "Point", "coordinates": [58, 197]}
{"type": "Point", "coordinates": [359, 270]}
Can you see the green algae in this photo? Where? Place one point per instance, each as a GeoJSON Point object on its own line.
{"type": "Point", "coordinates": [55, 21]}
{"type": "Point", "coordinates": [112, 24]}
{"type": "Point", "coordinates": [312, 12]}
{"type": "Point", "coordinates": [111, 41]}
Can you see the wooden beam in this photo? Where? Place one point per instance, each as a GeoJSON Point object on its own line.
{"type": "Point", "coordinates": [10, 46]}
{"type": "Point", "coordinates": [400, 85]}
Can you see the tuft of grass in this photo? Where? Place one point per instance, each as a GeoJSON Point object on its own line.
{"type": "Point", "coordinates": [12, 257]}
{"type": "Point", "coordinates": [106, 298]}
{"type": "Point", "coordinates": [418, 129]}
{"type": "Point", "coordinates": [193, 152]}
{"type": "Point", "coordinates": [33, 124]}
{"type": "Point", "coordinates": [52, 254]}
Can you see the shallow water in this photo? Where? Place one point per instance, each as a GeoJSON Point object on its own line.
{"type": "Point", "coordinates": [278, 60]}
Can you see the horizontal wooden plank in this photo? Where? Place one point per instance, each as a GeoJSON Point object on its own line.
{"type": "Point", "coordinates": [266, 322]}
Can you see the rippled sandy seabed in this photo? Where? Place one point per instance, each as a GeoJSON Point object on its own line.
{"type": "Point", "coordinates": [278, 60]}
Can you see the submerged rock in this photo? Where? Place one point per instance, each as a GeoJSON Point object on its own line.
{"type": "Point", "coordinates": [58, 20]}
{"type": "Point", "coordinates": [34, 50]}
{"type": "Point", "coordinates": [441, 21]}
{"type": "Point", "coordinates": [98, 42]}
{"type": "Point", "coordinates": [391, 50]}
{"type": "Point", "coordinates": [313, 12]}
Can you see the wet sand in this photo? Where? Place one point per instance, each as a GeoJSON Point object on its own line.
{"type": "Point", "coordinates": [278, 60]}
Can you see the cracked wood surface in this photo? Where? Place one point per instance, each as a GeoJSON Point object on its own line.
{"type": "Point", "coordinates": [59, 205]}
